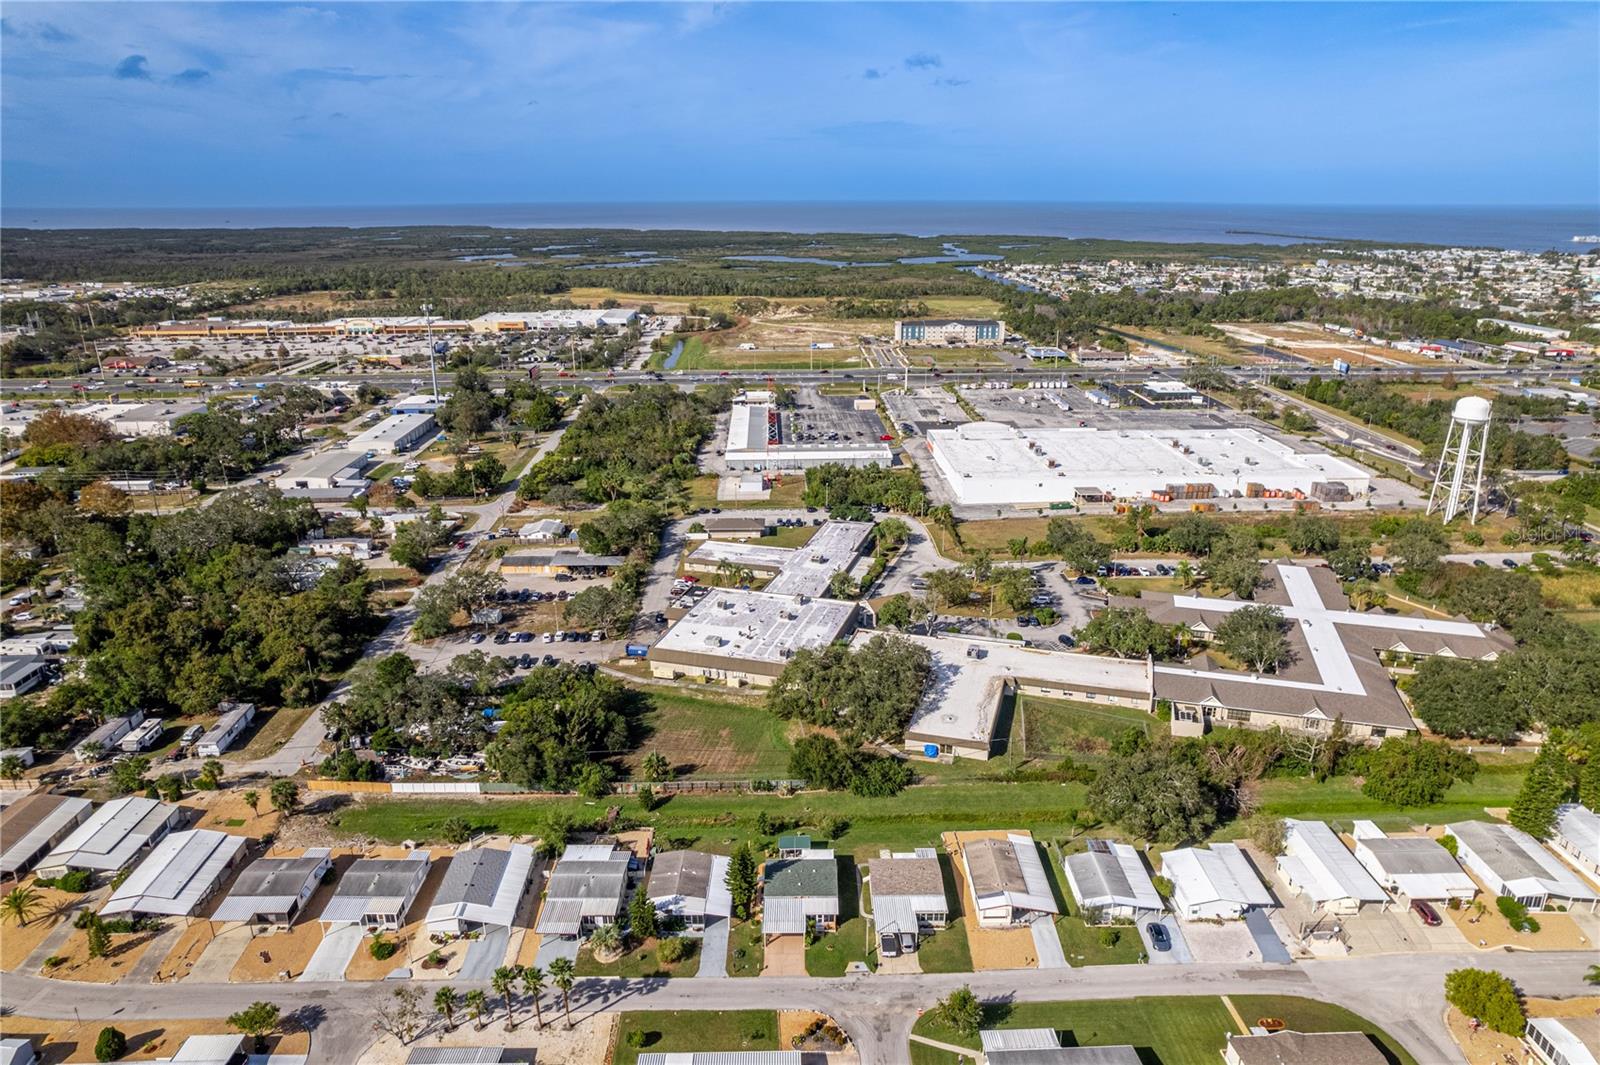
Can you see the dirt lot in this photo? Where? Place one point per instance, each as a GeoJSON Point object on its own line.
{"type": "Point", "coordinates": [1557, 931]}
{"type": "Point", "coordinates": [992, 948]}
{"type": "Point", "coordinates": [289, 951]}
{"type": "Point", "coordinates": [126, 950]}
{"type": "Point", "coordinates": [18, 941]}
{"type": "Point", "coordinates": [412, 937]}
{"type": "Point", "coordinates": [587, 1043]}
{"type": "Point", "coordinates": [66, 1041]}
{"type": "Point", "coordinates": [226, 811]}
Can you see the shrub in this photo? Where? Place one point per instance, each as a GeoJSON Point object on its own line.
{"type": "Point", "coordinates": [638, 1039]}
{"type": "Point", "coordinates": [1487, 996]}
{"type": "Point", "coordinates": [675, 949]}
{"type": "Point", "coordinates": [76, 882]}
{"type": "Point", "coordinates": [1109, 937]}
{"type": "Point", "coordinates": [380, 948]}
{"type": "Point", "coordinates": [1516, 914]}
{"type": "Point", "coordinates": [111, 1045]}
{"type": "Point", "coordinates": [1448, 842]}
{"type": "Point", "coordinates": [455, 830]}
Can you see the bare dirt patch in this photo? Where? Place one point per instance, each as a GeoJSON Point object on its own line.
{"type": "Point", "coordinates": [18, 941]}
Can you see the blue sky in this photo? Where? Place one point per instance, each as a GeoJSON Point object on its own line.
{"type": "Point", "coordinates": [257, 104]}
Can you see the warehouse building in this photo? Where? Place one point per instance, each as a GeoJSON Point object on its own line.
{"type": "Point", "coordinates": [376, 892]}
{"type": "Point", "coordinates": [143, 419]}
{"type": "Point", "coordinates": [1512, 863]}
{"type": "Point", "coordinates": [1109, 878]}
{"type": "Point", "coordinates": [1415, 867]}
{"type": "Point", "coordinates": [955, 332]}
{"type": "Point", "coordinates": [113, 836]}
{"type": "Point", "coordinates": [1334, 670]}
{"type": "Point", "coordinates": [1007, 880]}
{"type": "Point", "coordinates": [395, 434]}
{"type": "Point", "coordinates": [971, 678]}
{"type": "Point", "coordinates": [1316, 864]}
{"type": "Point", "coordinates": [908, 898]}
{"type": "Point", "coordinates": [183, 870]}
{"type": "Point", "coordinates": [691, 886]}
{"type": "Point", "coordinates": [587, 888]}
{"type": "Point", "coordinates": [1214, 884]}
{"type": "Point", "coordinates": [232, 720]}
{"type": "Point", "coordinates": [565, 320]}
{"type": "Point", "coordinates": [994, 464]}
{"type": "Point", "coordinates": [271, 892]}
{"type": "Point", "coordinates": [759, 440]}
{"type": "Point", "coordinates": [763, 561]}
{"type": "Point", "coordinates": [34, 824]}
{"type": "Point", "coordinates": [326, 475]}
{"type": "Point", "coordinates": [481, 890]}
{"type": "Point", "coordinates": [733, 527]}
{"type": "Point", "coordinates": [744, 637]}
{"type": "Point", "coordinates": [833, 547]}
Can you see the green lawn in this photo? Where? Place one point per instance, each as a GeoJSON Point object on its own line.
{"type": "Point", "coordinates": [1168, 1030]}
{"type": "Point", "coordinates": [712, 738]}
{"type": "Point", "coordinates": [947, 950]}
{"type": "Point", "coordinates": [1340, 799]}
{"type": "Point", "coordinates": [833, 952]}
{"type": "Point", "coordinates": [1056, 727]}
{"type": "Point", "coordinates": [745, 949]}
{"type": "Point", "coordinates": [641, 961]}
{"type": "Point", "coordinates": [1305, 1015]}
{"type": "Point", "coordinates": [703, 494]}
{"type": "Point", "coordinates": [1083, 946]}
{"type": "Point", "coordinates": [666, 1031]}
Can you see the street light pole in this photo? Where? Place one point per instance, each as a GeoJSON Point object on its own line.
{"type": "Point", "coordinates": [433, 369]}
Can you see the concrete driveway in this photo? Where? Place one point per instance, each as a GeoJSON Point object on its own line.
{"type": "Point", "coordinates": [218, 959]}
{"type": "Point", "coordinates": [1180, 953]}
{"type": "Point", "coordinates": [553, 947]}
{"type": "Point", "coordinates": [1047, 944]}
{"type": "Point", "coordinates": [785, 956]}
{"type": "Point", "coordinates": [1269, 947]}
{"type": "Point", "coordinates": [485, 954]}
{"type": "Point", "coordinates": [714, 950]}
{"type": "Point", "coordinates": [333, 954]}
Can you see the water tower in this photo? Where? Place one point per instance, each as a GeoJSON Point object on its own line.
{"type": "Point", "coordinates": [1465, 443]}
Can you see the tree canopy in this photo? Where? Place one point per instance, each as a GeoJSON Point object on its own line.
{"type": "Point", "coordinates": [868, 695]}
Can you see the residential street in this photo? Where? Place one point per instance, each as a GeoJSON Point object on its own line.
{"type": "Point", "coordinates": [1402, 993]}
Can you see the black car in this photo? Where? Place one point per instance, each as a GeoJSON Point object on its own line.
{"type": "Point", "coordinates": [548, 660]}
{"type": "Point", "coordinates": [1159, 939]}
{"type": "Point", "coordinates": [1066, 641]}
{"type": "Point", "coordinates": [526, 662]}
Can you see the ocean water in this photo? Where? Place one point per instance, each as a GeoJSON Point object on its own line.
{"type": "Point", "coordinates": [1527, 228]}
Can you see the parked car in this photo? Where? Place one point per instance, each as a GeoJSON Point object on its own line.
{"type": "Point", "coordinates": [1508, 563]}
{"type": "Point", "coordinates": [1426, 913]}
{"type": "Point", "coordinates": [477, 637]}
{"type": "Point", "coordinates": [1159, 939]}
{"type": "Point", "coordinates": [888, 945]}
{"type": "Point", "coordinates": [1066, 641]}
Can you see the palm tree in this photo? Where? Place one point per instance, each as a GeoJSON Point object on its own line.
{"type": "Point", "coordinates": [607, 938]}
{"type": "Point", "coordinates": [21, 904]}
{"type": "Point", "coordinates": [504, 981]}
{"type": "Point", "coordinates": [11, 767]}
{"type": "Point", "coordinates": [532, 978]}
{"type": "Point", "coordinates": [1593, 975]}
{"type": "Point", "coordinates": [563, 975]}
{"type": "Point", "coordinates": [253, 800]}
{"type": "Point", "coordinates": [1018, 546]}
{"type": "Point", "coordinates": [477, 1003]}
{"type": "Point", "coordinates": [444, 1003]}
{"type": "Point", "coordinates": [655, 766]}
{"type": "Point", "coordinates": [1185, 574]}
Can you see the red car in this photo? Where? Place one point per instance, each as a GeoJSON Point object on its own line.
{"type": "Point", "coordinates": [1426, 913]}
{"type": "Point", "coordinates": [886, 436]}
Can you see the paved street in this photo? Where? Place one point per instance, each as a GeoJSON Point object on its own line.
{"type": "Point", "coordinates": [1402, 993]}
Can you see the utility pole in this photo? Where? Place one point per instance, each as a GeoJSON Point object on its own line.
{"type": "Point", "coordinates": [433, 369]}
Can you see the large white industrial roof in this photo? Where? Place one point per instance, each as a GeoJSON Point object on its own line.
{"type": "Point", "coordinates": [180, 872]}
{"type": "Point", "coordinates": [758, 626]}
{"type": "Point", "coordinates": [833, 547]}
{"type": "Point", "coordinates": [1315, 860]}
{"type": "Point", "coordinates": [715, 552]}
{"type": "Point", "coordinates": [991, 462]}
{"type": "Point", "coordinates": [385, 433]}
{"type": "Point", "coordinates": [112, 835]}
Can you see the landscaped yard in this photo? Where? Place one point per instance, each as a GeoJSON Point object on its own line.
{"type": "Point", "coordinates": [1084, 945]}
{"type": "Point", "coordinates": [1169, 1030]}
{"type": "Point", "coordinates": [1306, 1015]}
{"type": "Point", "coordinates": [704, 737]}
{"type": "Point", "coordinates": [832, 953]}
{"type": "Point", "coordinates": [947, 950]}
{"type": "Point", "coordinates": [641, 961]}
{"type": "Point", "coordinates": [745, 949]}
{"type": "Point", "coordinates": [666, 1031]}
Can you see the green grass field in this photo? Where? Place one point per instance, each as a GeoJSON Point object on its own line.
{"type": "Point", "coordinates": [1055, 727]}
{"type": "Point", "coordinates": [703, 495]}
{"type": "Point", "coordinates": [712, 738]}
{"type": "Point", "coordinates": [745, 949]}
{"type": "Point", "coordinates": [1168, 1030]}
{"type": "Point", "coordinates": [666, 1031]}
{"type": "Point", "coordinates": [1305, 1015]}
{"type": "Point", "coordinates": [947, 950]}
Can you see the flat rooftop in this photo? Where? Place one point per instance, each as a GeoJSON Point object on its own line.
{"type": "Point", "coordinates": [833, 547]}
{"type": "Point", "coordinates": [754, 626]}
{"type": "Point", "coordinates": [991, 462]}
{"type": "Point", "coordinates": [968, 679]}
{"type": "Point", "coordinates": [755, 556]}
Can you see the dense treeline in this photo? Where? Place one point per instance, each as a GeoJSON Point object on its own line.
{"type": "Point", "coordinates": [847, 491]}
{"type": "Point", "coordinates": [1428, 421]}
{"type": "Point", "coordinates": [185, 611]}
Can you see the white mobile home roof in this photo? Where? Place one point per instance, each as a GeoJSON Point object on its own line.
{"type": "Point", "coordinates": [182, 870]}
{"type": "Point", "coordinates": [271, 886]}
{"type": "Point", "coordinates": [1415, 866]}
{"type": "Point", "coordinates": [992, 880]}
{"type": "Point", "coordinates": [1580, 827]}
{"type": "Point", "coordinates": [112, 835]}
{"type": "Point", "coordinates": [1111, 874]}
{"type": "Point", "coordinates": [222, 733]}
{"type": "Point", "coordinates": [483, 885]}
{"type": "Point", "coordinates": [1319, 864]}
{"type": "Point", "coordinates": [28, 825]}
{"type": "Point", "coordinates": [1577, 1040]}
{"type": "Point", "coordinates": [1219, 874]}
{"type": "Point", "coordinates": [376, 886]}
{"type": "Point", "coordinates": [725, 1057]}
{"type": "Point", "coordinates": [1519, 861]}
